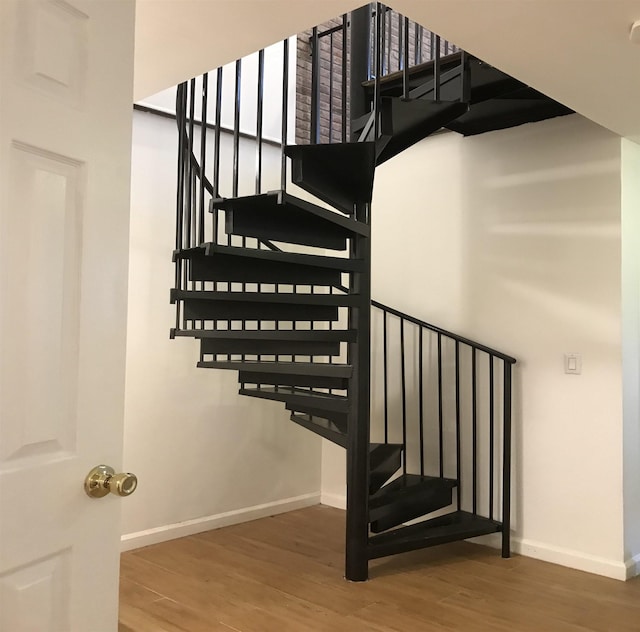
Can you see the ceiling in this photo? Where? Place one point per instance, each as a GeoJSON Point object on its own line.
{"type": "Point", "coordinates": [576, 51]}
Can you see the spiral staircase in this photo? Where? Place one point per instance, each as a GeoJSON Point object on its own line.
{"type": "Point", "coordinates": [279, 290]}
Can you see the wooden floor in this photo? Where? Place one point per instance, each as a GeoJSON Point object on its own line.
{"type": "Point", "coordinates": [284, 574]}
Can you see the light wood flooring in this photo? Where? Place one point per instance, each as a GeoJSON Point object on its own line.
{"type": "Point", "coordinates": [284, 574]}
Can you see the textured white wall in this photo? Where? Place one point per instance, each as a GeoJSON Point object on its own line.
{"type": "Point", "coordinates": [513, 239]}
{"type": "Point", "coordinates": [199, 449]}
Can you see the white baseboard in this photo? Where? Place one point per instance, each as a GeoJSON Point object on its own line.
{"type": "Point", "coordinates": [207, 523]}
{"type": "Point", "coordinates": [562, 556]}
{"type": "Point", "coordinates": [333, 500]}
{"type": "Point", "coordinates": [632, 566]}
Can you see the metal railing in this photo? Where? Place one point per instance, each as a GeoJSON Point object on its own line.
{"type": "Point", "coordinates": [447, 400]}
{"type": "Point", "coordinates": [202, 153]}
{"type": "Point", "coordinates": [394, 44]}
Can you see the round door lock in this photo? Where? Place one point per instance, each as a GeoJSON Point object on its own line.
{"type": "Point", "coordinates": [103, 480]}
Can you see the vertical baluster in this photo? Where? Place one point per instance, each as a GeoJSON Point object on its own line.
{"type": "Point", "coordinates": [417, 46]}
{"type": "Point", "coordinates": [203, 154]}
{"type": "Point", "coordinates": [402, 38]}
{"type": "Point", "coordinates": [190, 176]}
{"type": "Point", "coordinates": [474, 424]}
{"type": "Point", "coordinates": [405, 57]}
{"type": "Point", "coordinates": [440, 410]}
{"type": "Point", "coordinates": [345, 34]}
{"type": "Point", "coordinates": [382, 11]}
{"type": "Point", "coordinates": [259, 120]}
{"type": "Point", "coordinates": [181, 96]}
{"type": "Point", "coordinates": [491, 436]}
{"type": "Point", "coordinates": [331, 86]}
{"type": "Point", "coordinates": [385, 378]}
{"type": "Point", "coordinates": [181, 99]}
{"type": "Point", "coordinates": [216, 156]}
{"type": "Point", "coordinates": [506, 463]}
{"type": "Point", "coordinates": [389, 30]}
{"type": "Point", "coordinates": [421, 401]}
{"type": "Point", "coordinates": [404, 399]}
{"type": "Point", "coordinates": [437, 72]}
{"type": "Point", "coordinates": [378, 48]}
{"type": "Point", "coordinates": [432, 45]}
{"type": "Point", "coordinates": [236, 127]}
{"type": "Point", "coordinates": [315, 87]}
{"type": "Point", "coordinates": [458, 437]}
{"type": "Point", "coordinates": [465, 83]}
{"type": "Point", "coordinates": [285, 106]}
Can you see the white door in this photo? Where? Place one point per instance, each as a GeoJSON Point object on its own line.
{"type": "Point", "coordinates": [65, 146]}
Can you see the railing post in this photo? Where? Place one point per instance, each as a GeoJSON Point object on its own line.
{"type": "Point", "coordinates": [315, 87]}
{"type": "Point", "coordinates": [506, 464]}
{"type": "Point", "coordinates": [359, 62]}
{"type": "Point", "coordinates": [357, 562]}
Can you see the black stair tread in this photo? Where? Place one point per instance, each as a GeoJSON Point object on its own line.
{"type": "Point", "coordinates": [320, 335]}
{"type": "Point", "coordinates": [408, 487]}
{"type": "Point", "coordinates": [293, 396]}
{"type": "Point", "coordinates": [497, 114]}
{"type": "Point", "coordinates": [323, 427]}
{"type": "Point", "coordinates": [408, 497]}
{"type": "Point", "coordinates": [380, 452]}
{"type": "Point", "coordinates": [334, 263]}
{"type": "Point", "coordinates": [339, 418]}
{"type": "Point", "coordinates": [294, 379]}
{"type": "Point", "coordinates": [404, 123]}
{"type": "Point", "coordinates": [303, 346]}
{"type": "Point", "coordinates": [339, 300]}
{"type": "Point", "coordinates": [320, 261]}
{"type": "Point", "coordinates": [384, 461]}
{"type": "Point", "coordinates": [458, 525]}
{"type": "Point", "coordinates": [300, 368]}
{"type": "Point", "coordinates": [265, 201]}
{"type": "Point", "coordinates": [340, 174]}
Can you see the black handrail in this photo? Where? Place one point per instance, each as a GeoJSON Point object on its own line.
{"type": "Point", "coordinates": [472, 343]}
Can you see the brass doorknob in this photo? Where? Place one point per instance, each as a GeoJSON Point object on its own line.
{"type": "Point", "coordinates": [102, 480]}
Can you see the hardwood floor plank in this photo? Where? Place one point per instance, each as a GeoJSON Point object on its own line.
{"type": "Point", "coordinates": [284, 574]}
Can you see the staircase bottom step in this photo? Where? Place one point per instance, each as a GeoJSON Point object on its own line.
{"type": "Point", "coordinates": [455, 526]}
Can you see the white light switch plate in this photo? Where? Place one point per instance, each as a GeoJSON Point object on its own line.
{"type": "Point", "coordinates": [573, 363]}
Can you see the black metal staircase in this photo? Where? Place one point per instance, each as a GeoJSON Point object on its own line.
{"type": "Point", "coordinates": [278, 288]}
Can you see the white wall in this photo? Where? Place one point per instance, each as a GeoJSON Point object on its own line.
{"type": "Point", "coordinates": [513, 239]}
{"type": "Point", "coordinates": [203, 454]}
{"type": "Point", "coordinates": [631, 350]}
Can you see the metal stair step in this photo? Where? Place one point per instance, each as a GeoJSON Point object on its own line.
{"type": "Point", "coordinates": [323, 427]}
{"type": "Point", "coordinates": [293, 396]}
{"type": "Point", "coordinates": [251, 346]}
{"type": "Point", "coordinates": [213, 262]}
{"type": "Point", "coordinates": [404, 123]}
{"type": "Point", "coordinates": [209, 305]}
{"type": "Point", "coordinates": [340, 174]}
{"type": "Point", "coordinates": [286, 368]}
{"type": "Point", "coordinates": [503, 113]}
{"type": "Point", "coordinates": [407, 497]}
{"type": "Point", "coordinates": [320, 335]}
{"type": "Point", "coordinates": [458, 525]}
{"type": "Point", "coordinates": [385, 460]}
{"type": "Point", "coordinates": [279, 216]}
{"type": "Point", "coordinates": [340, 419]}
{"type": "Point", "coordinates": [284, 379]}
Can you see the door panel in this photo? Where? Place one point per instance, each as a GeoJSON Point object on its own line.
{"type": "Point", "coordinates": [65, 145]}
